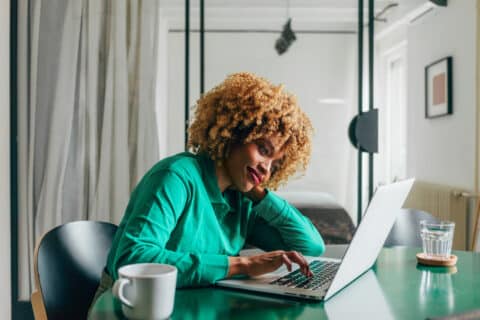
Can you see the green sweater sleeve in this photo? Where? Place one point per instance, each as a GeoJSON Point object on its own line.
{"type": "Point", "coordinates": [279, 225]}
{"type": "Point", "coordinates": [154, 214]}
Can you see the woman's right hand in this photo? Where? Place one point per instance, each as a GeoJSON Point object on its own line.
{"type": "Point", "coordinates": [267, 262]}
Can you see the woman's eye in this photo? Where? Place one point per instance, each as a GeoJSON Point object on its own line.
{"type": "Point", "coordinates": [263, 150]}
{"type": "Point", "coordinates": [274, 169]}
{"type": "Point", "coordinates": [276, 166]}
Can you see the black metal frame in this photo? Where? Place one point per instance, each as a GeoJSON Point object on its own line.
{"type": "Point", "coordinates": [187, 61]}
{"type": "Point", "coordinates": [202, 47]}
{"type": "Point", "coordinates": [449, 111]}
{"type": "Point", "coordinates": [371, 22]}
{"type": "Point", "coordinates": [187, 69]}
{"type": "Point", "coordinates": [20, 309]}
{"type": "Point", "coordinates": [360, 109]}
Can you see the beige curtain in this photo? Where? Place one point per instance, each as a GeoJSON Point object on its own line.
{"type": "Point", "coordinates": [88, 101]}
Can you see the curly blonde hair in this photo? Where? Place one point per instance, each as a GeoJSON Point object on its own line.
{"type": "Point", "coordinates": [245, 108]}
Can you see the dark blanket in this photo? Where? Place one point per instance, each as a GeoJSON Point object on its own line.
{"type": "Point", "coordinates": [334, 224]}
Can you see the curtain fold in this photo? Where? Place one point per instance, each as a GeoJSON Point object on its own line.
{"type": "Point", "coordinates": [87, 119]}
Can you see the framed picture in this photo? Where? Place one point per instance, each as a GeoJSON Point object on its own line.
{"type": "Point", "coordinates": [438, 88]}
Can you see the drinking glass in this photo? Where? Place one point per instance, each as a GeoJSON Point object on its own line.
{"type": "Point", "coordinates": [437, 238]}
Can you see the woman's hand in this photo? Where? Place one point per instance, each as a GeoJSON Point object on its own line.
{"type": "Point", "coordinates": [267, 262]}
{"type": "Point", "coordinates": [256, 194]}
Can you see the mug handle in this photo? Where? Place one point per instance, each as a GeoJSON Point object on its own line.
{"type": "Point", "coordinates": [118, 291]}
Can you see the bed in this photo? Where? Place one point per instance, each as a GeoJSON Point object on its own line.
{"type": "Point", "coordinates": [329, 217]}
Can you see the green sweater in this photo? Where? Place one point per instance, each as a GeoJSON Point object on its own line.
{"type": "Point", "coordinates": [177, 215]}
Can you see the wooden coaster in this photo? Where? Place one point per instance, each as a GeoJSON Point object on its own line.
{"type": "Point", "coordinates": [434, 261]}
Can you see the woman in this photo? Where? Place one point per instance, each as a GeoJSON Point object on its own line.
{"type": "Point", "coordinates": [197, 210]}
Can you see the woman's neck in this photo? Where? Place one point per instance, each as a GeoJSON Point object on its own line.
{"type": "Point", "coordinates": [223, 178]}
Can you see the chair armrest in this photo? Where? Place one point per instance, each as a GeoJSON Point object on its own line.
{"type": "Point", "coordinates": [38, 306]}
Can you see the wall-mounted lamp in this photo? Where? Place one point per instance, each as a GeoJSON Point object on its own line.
{"type": "Point", "coordinates": [363, 131]}
{"type": "Point", "coordinates": [441, 3]}
{"type": "Point", "coordinates": [286, 38]}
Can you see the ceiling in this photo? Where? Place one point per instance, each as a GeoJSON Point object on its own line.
{"type": "Point", "coordinates": [338, 4]}
{"type": "Point", "coordinates": [319, 15]}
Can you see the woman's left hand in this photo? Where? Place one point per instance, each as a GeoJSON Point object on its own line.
{"type": "Point", "coordinates": [256, 194]}
{"type": "Point", "coordinates": [267, 262]}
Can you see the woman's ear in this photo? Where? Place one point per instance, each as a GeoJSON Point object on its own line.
{"type": "Point", "coordinates": [227, 150]}
{"type": "Point", "coordinates": [230, 146]}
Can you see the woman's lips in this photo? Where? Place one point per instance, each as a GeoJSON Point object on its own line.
{"type": "Point", "coordinates": [254, 176]}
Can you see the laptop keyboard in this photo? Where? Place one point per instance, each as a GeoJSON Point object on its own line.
{"type": "Point", "coordinates": [323, 272]}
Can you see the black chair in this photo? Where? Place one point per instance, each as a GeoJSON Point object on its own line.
{"type": "Point", "coordinates": [406, 230]}
{"type": "Point", "coordinates": [69, 260]}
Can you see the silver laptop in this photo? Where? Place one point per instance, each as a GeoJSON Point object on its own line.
{"type": "Point", "coordinates": [351, 302]}
{"type": "Point", "coordinates": [331, 275]}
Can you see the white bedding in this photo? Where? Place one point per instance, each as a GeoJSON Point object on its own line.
{"type": "Point", "coordinates": [309, 199]}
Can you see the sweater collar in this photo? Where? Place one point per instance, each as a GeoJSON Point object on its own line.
{"type": "Point", "coordinates": [210, 179]}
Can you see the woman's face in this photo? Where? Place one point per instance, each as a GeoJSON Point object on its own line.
{"type": "Point", "coordinates": [250, 164]}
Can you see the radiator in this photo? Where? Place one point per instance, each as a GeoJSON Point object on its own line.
{"type": "Point", "coordinates": [445, 203]}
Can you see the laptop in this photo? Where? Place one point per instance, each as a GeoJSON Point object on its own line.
{"type": "Point", "coordinates": [351, 303]}
{"type": "Point", "coordinates": [332, 275]}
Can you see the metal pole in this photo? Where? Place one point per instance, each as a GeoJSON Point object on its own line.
{"type": "Point", "coordinates": [360, 103]}
{"type": "Point", "coordinates": [187, 69]}
{"type": "Point", "coordinates": [371, 22]}
{"type": "Point", "coordinates": [202, 47]}
{"type": "Point", "coordinates": [14, 160]}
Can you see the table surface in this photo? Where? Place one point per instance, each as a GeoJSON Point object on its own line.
{"type": "Point", "coordinates": [395, 288]}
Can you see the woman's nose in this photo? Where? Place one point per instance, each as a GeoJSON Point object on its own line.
{"type": "Point", "coordinates": [265, 166]}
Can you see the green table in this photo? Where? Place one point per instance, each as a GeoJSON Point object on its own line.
{"type": "Point", "coordinates": [395, 288]}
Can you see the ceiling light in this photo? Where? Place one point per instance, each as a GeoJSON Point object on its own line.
{"type": "Point", "coordinates": [331, 101]}
{"type": "Point", "coordinates": [286, 38]}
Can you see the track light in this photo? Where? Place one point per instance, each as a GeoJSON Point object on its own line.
{"type": "Point", "coordinates": [442, 3]}
{"type": "Point", "coordinates": [286, 38]}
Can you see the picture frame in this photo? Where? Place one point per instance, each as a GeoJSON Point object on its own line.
{"type": "Point", "coordinates": [438, 88]}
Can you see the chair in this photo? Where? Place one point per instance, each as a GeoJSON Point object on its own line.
{"type": "Point", "coordinates": [406, 230]}
{"type": "Point", "coordinates": [69, 260]}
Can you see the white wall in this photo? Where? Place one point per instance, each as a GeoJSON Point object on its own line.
{"type": "Point", "coordinates": [5, 301]}
{"type": "Point", "coordinates": [442, 150]}
{"type": "Point", "coordinates": [387, 48]}
{"type": "Point", "coordinates": [316, 66]}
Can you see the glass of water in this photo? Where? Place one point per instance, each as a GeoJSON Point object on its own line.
{"type": "Point", "coordinates": [437, 238]}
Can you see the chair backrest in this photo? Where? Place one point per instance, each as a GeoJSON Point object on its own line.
{"type": "Point", "coordinates": [406, 230]}
{"type": "Point", "coordinates": [68, 265]}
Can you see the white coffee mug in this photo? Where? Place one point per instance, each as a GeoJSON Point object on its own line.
{"type": "Point", "coordinates": [146, 290]}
